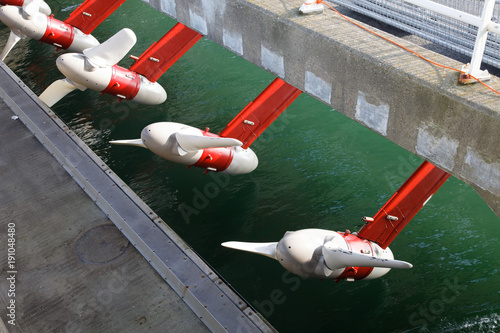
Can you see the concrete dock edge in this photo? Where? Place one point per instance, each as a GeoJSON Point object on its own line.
{"type": "Point", "coordinates": [213, 301]}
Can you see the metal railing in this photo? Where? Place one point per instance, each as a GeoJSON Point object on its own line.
{"type": "Point", "coordinates": [459, 25]}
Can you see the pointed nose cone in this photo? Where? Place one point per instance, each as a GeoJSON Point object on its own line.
{"type": "Point", "coordinates": [296, 248]}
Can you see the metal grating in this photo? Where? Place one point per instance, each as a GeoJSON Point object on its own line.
{"type": "Point", "coordinates": [442, 30]}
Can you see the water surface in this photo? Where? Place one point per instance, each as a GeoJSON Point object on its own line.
{"type": "Point", "coordinates": [318, 169]}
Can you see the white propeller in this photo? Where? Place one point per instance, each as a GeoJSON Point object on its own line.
{"type": "Point", "coordinates": [111, 51]}
{"type": "Point", "coordinates": [57, 90]}
{"type": "Point", "coordinates": [190, 146]}
{"type": "Point", "coordinates": [14, 37]}
{"type": "Point", "coordinates": [336, 258]}
{"type": "Point", "coordinates": [326, 254]}
{"type": "Point", "coordinates": [33, 7]}
{"type": "Point", "coordinates": [190, 143]}
{"type": "Point", "coordinates": [12, 16]}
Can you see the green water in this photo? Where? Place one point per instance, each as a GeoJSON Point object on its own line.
{"type": "Point", "coordinates": [318, 169]}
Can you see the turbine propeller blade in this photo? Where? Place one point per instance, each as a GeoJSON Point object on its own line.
{"type": "Point", "coordinates": [57, 90]}
{"type": "Point", "coordinates": [265, 249]}
{"type": "Point", "coordinates": [336, 258]}
{"type": "Point", "coordinates": [190, 142]}
{"type": "Point", "coordinates": [133, 142]}
{"type": "Point", "coordinates": [14, 37]}
{"type": "Point", "coordinates": [113, 50]}
{"type": "Point", "coordinates": [44, 8]}
{"type": "Point", "coordinates": [31, 7]}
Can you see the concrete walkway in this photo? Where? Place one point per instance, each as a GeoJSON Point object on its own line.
{"type": "Point", "coordinates": [63, 218]}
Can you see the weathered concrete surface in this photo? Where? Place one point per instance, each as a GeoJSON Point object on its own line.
{"type": "Point", "coordinates": [411, 102]}
{"type": "Point", "coordinates": [74, 270]}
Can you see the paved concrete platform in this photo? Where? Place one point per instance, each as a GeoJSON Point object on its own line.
{"type": "Point", "coordinates": [75, 271]}
{"type": "Point", "coordinates": [64, 215]}
{"type": "Point", "coordinates": [411, 102]}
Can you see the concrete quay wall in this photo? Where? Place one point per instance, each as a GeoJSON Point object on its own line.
{"type": "Point", "coordinates": [411, 102]}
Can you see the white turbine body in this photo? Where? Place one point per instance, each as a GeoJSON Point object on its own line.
{"type": "Point", "coordinates": [82, 42]}
{"type": "Point", "coordinates": [95, 68]}
{"type": "Point", "coordinates": [32, 25]}
{"type": "Point", "coordinates": [244, 161]}
{"type": "Point", "coordinates": [166, 141]}
{"type": "Point", "coordinates": [31, 21]}
{"type": "Point", "coordinates": [151, 93]}
{"type": "Point", "coordinates": [77, 68]}
{"type": "Point", "coordinates": [187, 145]}
{"type": "Point", "coordinates": [324, 254]}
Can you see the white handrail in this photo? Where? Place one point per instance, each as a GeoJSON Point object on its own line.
{"type": "Point", "coordinates": [483, 23]}
{"type": "Point", "coordinates": [482, 35]}
{"type": "Point", "coordinates": [447, 11]}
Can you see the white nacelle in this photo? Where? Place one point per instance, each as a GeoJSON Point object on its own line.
{"type": "Point", "coordinates": [300, 252]}
{"type": "Point", "coordinates": [33, 27]}
{"type": "Point", "coordinates": [160, 139]}
{"type": "Point", "coordinates": [190, 146]}
{"type": "Point", "coordinates": [74, 67]}
{"type": "Point", "coordinates": [82, 42]}
{"type": "Point", "coordinates": [244, 161]}
{"type": "Point", "coordinates": [325, 254]}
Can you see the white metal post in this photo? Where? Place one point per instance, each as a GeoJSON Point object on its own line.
{"type": "Point", "coordinates": [447, 11]}
{"type": "Point", "coordinates": [484, 24]}
{"type": "Point", "coordinates": [482, 35]}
